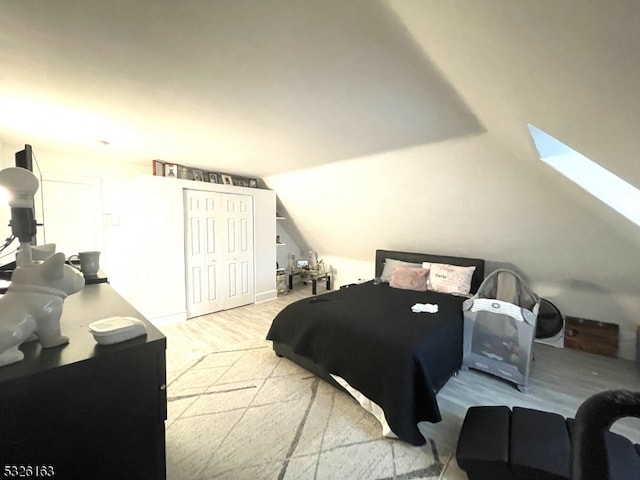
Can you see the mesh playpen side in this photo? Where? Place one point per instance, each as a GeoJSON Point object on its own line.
{"type": "Point", "coordinates": [499, 334]}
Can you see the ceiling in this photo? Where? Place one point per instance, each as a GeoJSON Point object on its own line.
{"type": "Point", "coordinates": [249, 87]}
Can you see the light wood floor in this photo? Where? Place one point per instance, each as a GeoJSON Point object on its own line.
{"type": "Point", "coordinates": [243, 326]}
{"type": "Point", "coordinates": [560, 378]}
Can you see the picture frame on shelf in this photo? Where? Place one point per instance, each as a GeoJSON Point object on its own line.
{"type": "Point", "coordinates": [240, 182]}
{"type": "Point", "coordinates": [171, 170]}
{"type": "Point", "coordinates": [226, 179]}
{"type": "Point", "coordinates": [158, 168]}
{"type": "Point", "coordinates": [198, 175]}
{"type": "Point", "coordinates": [213, 177]}
{"type": "Point", "coordinates": [253, 183]}
{"type": "Point", "coordinates": [184, 172]}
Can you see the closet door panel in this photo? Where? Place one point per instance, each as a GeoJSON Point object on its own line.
{"type": "Point", "coordinates": [239, 256]}
{"type": "Point", "coordinates": [203, 285]}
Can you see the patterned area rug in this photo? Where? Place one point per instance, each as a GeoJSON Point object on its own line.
{"type": "Point", "coordinates": [247, 414]}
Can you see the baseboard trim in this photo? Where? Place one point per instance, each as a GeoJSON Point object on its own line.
{"type": "Point", "coordinates": [266, 296]}
{"type": "Point", "coordinates": [169, 319]}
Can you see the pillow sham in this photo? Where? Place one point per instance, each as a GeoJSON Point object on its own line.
{"type": "Point", "coordinates": [452, 279]}
{"type": "Point", "coordinates": [409, 278]}
{"type": "Point", "coordinates": [390, 264]}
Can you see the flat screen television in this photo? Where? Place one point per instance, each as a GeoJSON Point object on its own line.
{"type": "Point", "coordinates": [24, 158]}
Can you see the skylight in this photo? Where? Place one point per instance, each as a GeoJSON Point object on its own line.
{"type": "Point", "coordinates": [598, 181]}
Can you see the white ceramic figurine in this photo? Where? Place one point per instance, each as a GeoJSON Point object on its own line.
{"type": "Point", "coordinates": [33, 305]}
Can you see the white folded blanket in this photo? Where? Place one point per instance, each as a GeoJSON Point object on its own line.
{"type": "Point", "coordinates": [425, 307]}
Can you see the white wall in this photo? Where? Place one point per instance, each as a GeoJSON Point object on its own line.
{"type": "Point", "coordinates": [113, 179]}
{"type": "Point", "coordinates": [264, 208]}
{"type": "Point", "coordinates": [155, 281]}
{"type": "Point", "coordinates": [122, 232]}
{"type": "Point", "coordinates": [562, 66]}
{"type": "Point", "coordinates": [471, 197]}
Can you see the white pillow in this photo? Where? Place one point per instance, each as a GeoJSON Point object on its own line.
{"type": "Point", "coordinates": [390, 264]}
{"type": "Point", "coordinates": [452, 279]}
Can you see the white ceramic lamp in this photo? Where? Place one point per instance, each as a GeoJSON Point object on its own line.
{"type": "Point", "coordinates": [32, 307]}
{"type": "Point", "coordinates": [21, 185]}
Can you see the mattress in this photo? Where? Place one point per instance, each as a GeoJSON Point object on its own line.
{"type": "Point", "coordinates": [368, 336]}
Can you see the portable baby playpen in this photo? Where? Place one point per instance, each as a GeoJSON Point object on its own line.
{"type": "Point", "coordinates": [500, 326]}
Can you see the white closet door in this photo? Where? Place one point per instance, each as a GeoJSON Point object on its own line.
{"type": "Point", "coordinates": [218, 251]}
{"type": "Point", "coordinates": [238, 250]}
{"type": "Point", "coordinates": [203, 252]}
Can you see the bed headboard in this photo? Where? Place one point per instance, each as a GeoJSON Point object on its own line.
{"type": "Point", "coordinates": [476, 280]}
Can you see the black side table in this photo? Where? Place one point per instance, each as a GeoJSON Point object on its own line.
{"type": "Point", "coordinates": [314, 279]}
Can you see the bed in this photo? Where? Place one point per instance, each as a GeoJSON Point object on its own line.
{"type": "Point", "coordinates": [367, 341]}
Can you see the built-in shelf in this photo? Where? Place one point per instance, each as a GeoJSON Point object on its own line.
{"type": "Point", "coordinates": [279, 217]}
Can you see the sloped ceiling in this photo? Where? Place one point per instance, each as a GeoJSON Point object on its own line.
{"type": "Point", "coordinates": [243, 86]}
{"type": "Point", "coordinates": [564, 66]}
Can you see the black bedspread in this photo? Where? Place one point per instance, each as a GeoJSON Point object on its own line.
{"type": "Point", "coordinates": [368, 335]}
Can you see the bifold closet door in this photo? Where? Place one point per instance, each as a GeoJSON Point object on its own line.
{"type": "Point", "coordinates": [218, 251]}
{"type": "Point", "coordinates": [238, 250]}
{"type": "Point", "coordinates": [203, 252]}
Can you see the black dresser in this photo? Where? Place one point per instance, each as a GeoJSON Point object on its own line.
{"type": "Point", "coordinates": [84, 410]}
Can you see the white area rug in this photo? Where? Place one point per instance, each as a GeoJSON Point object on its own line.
{"type": "Point", "coordinates": [247, 414]}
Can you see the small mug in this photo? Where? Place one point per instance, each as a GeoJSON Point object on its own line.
{"type": "Point", "coordinates": [89, 262]}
